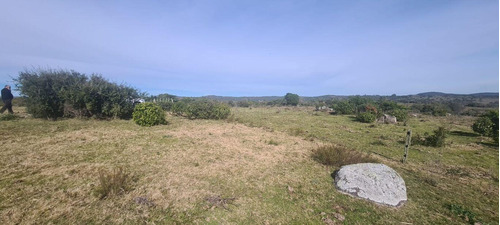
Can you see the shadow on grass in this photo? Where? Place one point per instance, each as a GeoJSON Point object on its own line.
{"type": "Point", "coordinates": [489, 144]}
{"type": "Point", "coordinates": [463, 133]}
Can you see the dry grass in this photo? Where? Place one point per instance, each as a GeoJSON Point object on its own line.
{"type": "Point", "coordinates": [216, 172]}
{"type": "Point", "coordinates": [112, 183]}
{"type": "Point", "coordinates": [338, 156]}
{"type": "Point", "coordinates": [51, 171]}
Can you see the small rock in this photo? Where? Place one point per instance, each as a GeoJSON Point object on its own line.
{"type": "Point", "coordinates": [339, 216]}
{"type": "Point", "coordinates": [328, 221]}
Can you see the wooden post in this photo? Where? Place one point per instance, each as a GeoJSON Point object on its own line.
{"type": "Point", "coordinates": [407, 145]}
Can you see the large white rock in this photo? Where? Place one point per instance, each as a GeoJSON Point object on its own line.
{"type": "Point", "coordinates": [372, 181]}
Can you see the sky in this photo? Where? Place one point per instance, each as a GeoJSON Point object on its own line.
{"type": "Point", "coordinates": [259, 48]}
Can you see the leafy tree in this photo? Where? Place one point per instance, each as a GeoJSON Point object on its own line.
{"type": "Point", "coordinates": [291, 99]}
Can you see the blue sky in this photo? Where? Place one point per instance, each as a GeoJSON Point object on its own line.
{"type": "Point", "coordinates": [260, 48]}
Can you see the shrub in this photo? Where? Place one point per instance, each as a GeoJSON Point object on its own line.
{"type": "Point", "coordinates": [483, 126]}
{"type": "Point", "coordinates": [487, 125]}
{"type": "Point", "coordinates": [179, 108]}
{"type": "Point", "coordinates": [338, 156]}
{"type": "Point", "coordinates": [344, 108]}
{"type": "Point", "coordinates": [366, 117]}
{"type": "Point", "coordinates": [167, 106]}
{"type": "Point", "coordinates": [112, 183]}
{"type": "Point", "coordinates": [433, 109]}
{"type": "Point", "coordinates": [205, 109]}
{"type": "Point", "coordinates": [148, 114]}
{"type": "Point", "coordinates": [52, 94]}
{"type": "Point", "coordinates": [400, 114]}
{"type": "Point", "coordinates": [435, 140]}
{"type": "Point", "coordinates": [104, 99]}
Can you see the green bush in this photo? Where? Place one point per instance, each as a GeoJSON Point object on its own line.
{"type": "Point", "coordinates": [366, 117]}
{"type": "Point", "coordinates": [344, 108]}
{"type": "Point", "coordinates": [52, 94]}
{"type": "Point", "coordinates": [167, 106]}
{"type": "Point", "coordinates": [400, 114]}
{"type": "Point", "coordinates": [179, 108]}
{"type": "Point", "coordinates": [148, 114]}
{"type": "Point", "coordinates": [487, 125]}
{"type": "Point", "coordinates": [483, 126]}
{"type": "Point", "coordinates": [434, 109]}
{"type": "Point", "coordinates": [338, 156]}
{"type": "Point", "coordinates": [205, 109]}
{"type": "Point", "coordinates": [435, 140]}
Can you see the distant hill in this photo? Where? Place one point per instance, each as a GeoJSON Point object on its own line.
{"type": "Point", "coordinates": [490, 98]}
{"type": "Point", "coordinates": [237, 99]}
{"type": "Point", "coordinates": [441, 94]}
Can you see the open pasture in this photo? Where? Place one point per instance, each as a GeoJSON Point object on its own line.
{"type": "Point", "coordinates": [254, 168]}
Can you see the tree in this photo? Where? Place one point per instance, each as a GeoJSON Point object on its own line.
{"type": "Point", "coordinates": [291, 99]}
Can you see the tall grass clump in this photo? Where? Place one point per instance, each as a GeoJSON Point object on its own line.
{"type": "Point", "coordinates": [337, 156]}
{"type": "Point", "coordinates": [112, 183]}
{"type": "Point", "coordinates": [148, 114]}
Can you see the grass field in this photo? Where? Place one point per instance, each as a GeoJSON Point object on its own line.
{"type": "Point", "coordinates": [254, 168]}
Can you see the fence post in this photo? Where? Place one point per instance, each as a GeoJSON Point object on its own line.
{"type": "Point", "coordinates": [407, 145]}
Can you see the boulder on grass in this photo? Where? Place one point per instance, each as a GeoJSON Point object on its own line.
{"type": "Point", "coordinates": [387, 119]}
{"type": "Point", "coordinates": [372, 181]}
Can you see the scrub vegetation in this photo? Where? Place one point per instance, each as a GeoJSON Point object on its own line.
{"type": "Point", "coordinates": [259, 166]}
